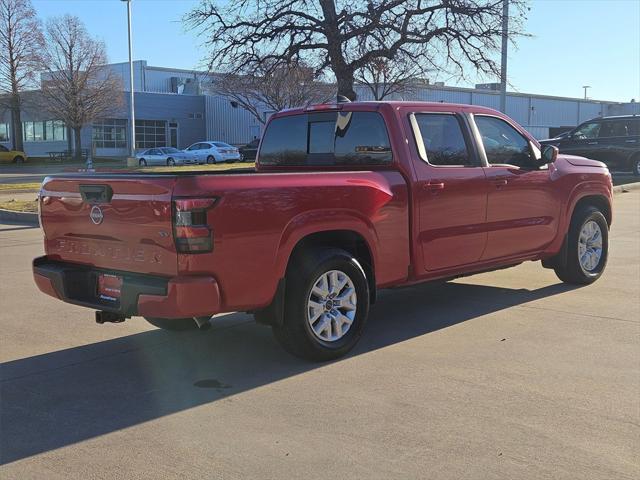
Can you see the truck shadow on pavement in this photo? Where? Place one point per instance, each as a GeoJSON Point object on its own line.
{"type": "Point", "coordinates": [60, 398]}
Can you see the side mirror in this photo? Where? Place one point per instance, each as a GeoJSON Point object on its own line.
{"type": "Point", "coordinates": [549, 154]}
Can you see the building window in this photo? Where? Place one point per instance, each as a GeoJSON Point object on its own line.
{"type": "Point", "coordinates": [4, 132]}
{"type": "Point", "coordinates": [151, 133]}
{"type": "Point", "coordinates": [55, 131]}
{"type": "Point", "coordinates": [110, 133]}
{"type": "Point", "coordinates": [50, 131]}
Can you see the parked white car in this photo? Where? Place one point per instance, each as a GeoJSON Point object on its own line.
{"type": "Point", "coordinates": [213, 152]}
{"type": "Point", "coordinates": [163, 156]}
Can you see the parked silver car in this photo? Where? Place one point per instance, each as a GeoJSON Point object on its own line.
{"type": "Point", "coordinates": [214, 152]}
{"type": "Point", "coordinates": [164, 156]}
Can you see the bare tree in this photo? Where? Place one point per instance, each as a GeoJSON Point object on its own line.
{"type": "Point", "coordinates": [384, 78]}
{"type": "Point", "coordinates": [449, 35]}
{"type": "Point", "coordinates": [77, 87]}
{"type": "Point", "coordinates": [284, 86]}
{"type": "Point", "coordinates": [21, 41]}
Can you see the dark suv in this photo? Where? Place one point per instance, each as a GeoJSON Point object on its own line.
{"type": "Point", "coordinates": [612, 140]}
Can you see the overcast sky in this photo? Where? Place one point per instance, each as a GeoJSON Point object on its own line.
{"type": "Point", "coordinates": [574, 43]}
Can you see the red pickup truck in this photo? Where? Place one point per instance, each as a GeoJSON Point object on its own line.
{"type": "Point", "coordinates": [346, 199]}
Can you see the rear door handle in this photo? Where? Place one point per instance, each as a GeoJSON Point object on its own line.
{"type": "Point", "coordinates": [433, 185]}
{"type": "Point", "coordinates": [501, 182]}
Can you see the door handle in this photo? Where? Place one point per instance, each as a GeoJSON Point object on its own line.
{"type": "Point", "coordinates": [501, 182]}
{"type": "Point", "coordinates": [433, 185]}
{"type": "Point", "coordinates": [592, 143]}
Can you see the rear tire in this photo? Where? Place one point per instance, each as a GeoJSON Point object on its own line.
{"type": "Point", "coordinates": [211, 159]}
{"type": "Point", "coordinates": [312, 329]}
{"type": "Point", "coordinates": [587, 247]}
{"type": "Point", "coordinates": [18, 159]}
{"type": "Point", "coordinates": [173, 324]}
{"type": "Point", "coordinates": [142, 162]}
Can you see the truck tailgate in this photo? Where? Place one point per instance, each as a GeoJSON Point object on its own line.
{"type": "Point", "coordinates": [115, 222]}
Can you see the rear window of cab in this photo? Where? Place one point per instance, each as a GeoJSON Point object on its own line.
{"type": "Point", "coordinates": [326, 139]}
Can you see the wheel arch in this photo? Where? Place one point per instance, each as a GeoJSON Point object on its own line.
{"type": "Point", "coordinates": [348, 240]}
{"type": "Point", "coordinates": [599, 201]}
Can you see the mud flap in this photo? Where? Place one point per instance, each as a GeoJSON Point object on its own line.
{"type": "Point", "coordinates": [274, 313]}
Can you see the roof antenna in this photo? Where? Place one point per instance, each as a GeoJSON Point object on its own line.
{"type": "Point", "coordinates": [343, 99]}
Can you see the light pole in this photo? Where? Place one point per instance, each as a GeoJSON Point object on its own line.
{"type": "Point", "coordinates": [503, 62]}
{"type": "Point", "coordinates": [132, 117]}
{"type": "Point", "coordinates": [586, 87]}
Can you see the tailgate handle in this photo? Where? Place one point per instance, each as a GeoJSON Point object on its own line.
{"type": "Point", "coordinates": [96, 193]}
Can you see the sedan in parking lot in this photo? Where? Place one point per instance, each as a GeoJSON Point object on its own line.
{"type": "Point", "coordinates": [164, 156]}
{"type": "Point", "coordinates": [213, 152]}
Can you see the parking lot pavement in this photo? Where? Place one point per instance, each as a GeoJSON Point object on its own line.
{"type": "Point", "coordinates": [508, 374]}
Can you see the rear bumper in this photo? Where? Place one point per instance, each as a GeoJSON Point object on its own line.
{"type": "Point", "coordinates": [145, 295]}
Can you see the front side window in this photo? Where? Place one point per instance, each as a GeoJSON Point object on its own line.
{"type": "Point", "coordinates": [327, 138]}
{"type": "Point", "coordinates": [444, 143]}
{"type": "Point", "coordinates": [503, 144]}
{"type": "Point", "coordinates": [588, 130]}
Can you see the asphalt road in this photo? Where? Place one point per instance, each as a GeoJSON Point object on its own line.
{"type": "Point", "coordinates": [503, 375]}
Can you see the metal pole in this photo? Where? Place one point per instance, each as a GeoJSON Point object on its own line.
{"type": "Point", "coordinates": [132, 118]}
{"type": "Point", "coordinates": [585, 91]}
{"type": "Point", "coordinates": [503, 63]}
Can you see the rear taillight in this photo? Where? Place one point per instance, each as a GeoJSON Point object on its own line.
{"type": "Point", "coordinates": [191, 230]}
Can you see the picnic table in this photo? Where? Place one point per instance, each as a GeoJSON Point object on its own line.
{"type": "Point", "coordinates": [67, 154]}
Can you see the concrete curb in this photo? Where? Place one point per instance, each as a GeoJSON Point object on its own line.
{"type": "Point", "coordinates": [23, 218]}
{"type": "Point", "coordinates": [626, 188]}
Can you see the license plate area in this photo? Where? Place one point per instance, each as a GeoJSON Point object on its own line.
{"type": "Point", "coordinates": [109, 287]}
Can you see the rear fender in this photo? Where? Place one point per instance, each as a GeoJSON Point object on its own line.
{"type": "Point", "coordinates": [318, 221]}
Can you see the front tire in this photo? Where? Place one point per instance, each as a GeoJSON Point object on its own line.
{"type": "Point", "coordinates": [18, 160]}
{"type": "Point", "coordinates": [173, 324]}
{"type": "Point", "coordinates": [326, 306]}
{"type": "Point", "coordinates": [171, 162]}
{"type": "Point", "coordinates": [211, 159]}
{"type": "Point", "coordinates": [587, 247]}
{"type": "Point", "coordinates": [142, 162]}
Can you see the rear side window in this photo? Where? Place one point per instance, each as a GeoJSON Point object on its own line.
{"type": "Point", "coordinates": [614, 128]}
{"type": "Point", "coordinates": [634, 126]}
{"type": "Point", "coordinates": [444, 143]}
{"type": "Point", "coordinates": [327, 138]}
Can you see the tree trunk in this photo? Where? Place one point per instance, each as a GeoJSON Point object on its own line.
{"type": "Point", "coordinates": [345, 85]}
{"type": "Point", "coordinates": [77, 140]}
{"type": "Point", "coordinates": [16, 125]}
{"type": "Point", "coordinates": [342, 70]}
{"type": "Point", "coordinates": [69, 138]}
